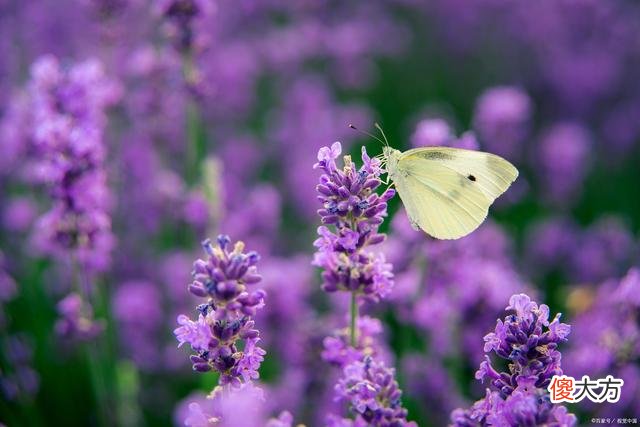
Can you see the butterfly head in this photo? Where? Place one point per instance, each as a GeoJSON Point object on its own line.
{"type": "Point", "coordinates": [387, 152]}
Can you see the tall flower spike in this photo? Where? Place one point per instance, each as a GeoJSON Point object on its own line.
{"type": "Point", "coordinates": [528, 341]}
{"type": "Point", "coordinates": [184, 21]}
{"type": "Point", "coordinates": [226, 318]}
{"type": "Point", "coordinates": [372, 393]}
{"type": "Point", "coordinates": [523, 341]}
{"type": "Point", "coordinates": [354, 211]}
{"type": "Point", "coordinates": [68, 108]}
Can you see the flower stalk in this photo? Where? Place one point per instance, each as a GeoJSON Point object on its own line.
{"type": "Point", "coordinates": [351, 213]}
{"type": "Point", "coordinates": [354, 316]}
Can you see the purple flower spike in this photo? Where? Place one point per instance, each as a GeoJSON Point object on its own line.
{"type": "Point", "coordinates": [529, 343]}
{"type": "Point", "coordinates": [523, 340]}
{"type": "Point", "coordinates": [354, 211]}
{"type": "Point", "coordinates": [501, 118]}
{"type": "Point", "coordinates": [185, 21]}
{"type": "Point", "coordinates": [76, 320]}
{"type": "Point", "coordinates": [68, 108]}
{"type": "Point", "coordinates": [372, 392]}
{"type": "Point", "coordinates": [224, 277]}
{"type": "Point", "coordinates": [226, 318]}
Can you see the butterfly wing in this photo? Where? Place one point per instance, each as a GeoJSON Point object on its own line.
{"type": "Point", "coordinates": [492, 174]}
{"type": "Point", "coordinates": [440, 197]}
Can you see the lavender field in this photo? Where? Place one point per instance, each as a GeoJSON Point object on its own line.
{"type": "Point", "coordinates": [192, 235]}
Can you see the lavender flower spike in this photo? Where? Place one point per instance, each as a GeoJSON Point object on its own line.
{"type": "Point", "coordinates": [528, 341]}
{"type": "Point", "coordinates": [521, 339]}
{"type": "Point", "coordinates": [224, 277]}
{"type": "Point", "coordinates": [355, 211]}
{"type": "Point", "coordinates": [184, 21]}
{"type": "Point", "coordinates": [373, 394]}
{"type": "Point", "coordinates": [69, 120]}
{"type": "Point", "coordinates": [76, 320]}
{"type": "Point", "coordinates": [226, 318]}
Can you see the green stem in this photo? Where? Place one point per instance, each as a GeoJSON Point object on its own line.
{"type": "Point", "coordinates": [91, 352]}
{"type": "Point", "coordinates": [354, 317]}
{"type": "Point", "coordinates": [98, 383]}
{"type": "Point", "coordinates": [353, 333]}
{"type": "Point", "coordinates": [195, 136]}
{"type": "Point", "coordinates": [128, 386]}
{"type": "Point", "coordinates": [193, 148]}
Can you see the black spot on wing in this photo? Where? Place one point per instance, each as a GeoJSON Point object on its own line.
{"type": "Point", "coordinates": [471, 178]}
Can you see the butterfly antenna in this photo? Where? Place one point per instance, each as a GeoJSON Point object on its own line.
{"type": "Point", "coordinates": [370, 135]}
{"type": "Point", "coordinates": [386, 141]}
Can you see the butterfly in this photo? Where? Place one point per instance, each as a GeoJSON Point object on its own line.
{"type": "Point", "coordinates": [446, 191]}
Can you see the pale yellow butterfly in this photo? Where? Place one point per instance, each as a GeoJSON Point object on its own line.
{"type": "Point", "coordinates": [447, 191]}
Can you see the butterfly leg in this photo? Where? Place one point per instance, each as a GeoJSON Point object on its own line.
{"type": "Point", "coordinates": [386, 180]}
